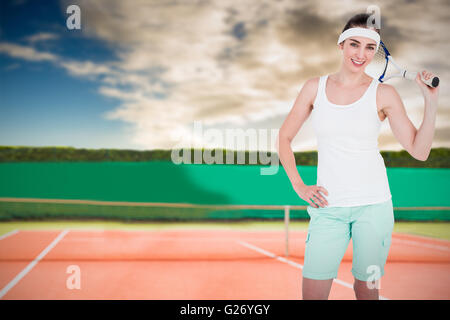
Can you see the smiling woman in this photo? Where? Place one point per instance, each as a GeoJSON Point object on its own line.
{"type": "Point", "coordinates": [352, 197]}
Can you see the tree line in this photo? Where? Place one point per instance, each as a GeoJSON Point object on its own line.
{"type": "Point", "coordinates": [438, 158]}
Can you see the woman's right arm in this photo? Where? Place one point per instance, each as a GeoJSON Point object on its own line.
{"type": "Point", "coordinates": [301, 110]}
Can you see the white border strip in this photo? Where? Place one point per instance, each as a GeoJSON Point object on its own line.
{"type": "Point", "coordinates": [292, 263]}
{"type": "Point", "coordinates": [3, 236]}
{"type": "Point", "coordinates": [30, 266]}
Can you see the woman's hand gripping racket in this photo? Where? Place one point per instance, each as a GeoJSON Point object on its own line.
{"type": "Point", "coordinates": [382, 62]}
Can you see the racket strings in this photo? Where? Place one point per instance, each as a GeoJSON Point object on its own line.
{"type": "Point", "coordinates": [379, 65]}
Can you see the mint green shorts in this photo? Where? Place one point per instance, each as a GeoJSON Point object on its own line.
{"type": "Point", "coordinates": [330, 230]}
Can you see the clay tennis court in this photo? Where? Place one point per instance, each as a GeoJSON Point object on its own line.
{"type": "Point", "coordinates": [203, 261]}
{"type": "Point", "coordinates": [199, 264]}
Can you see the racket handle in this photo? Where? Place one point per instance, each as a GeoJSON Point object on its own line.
{"type": "Point", "coordinates": [411, 75]}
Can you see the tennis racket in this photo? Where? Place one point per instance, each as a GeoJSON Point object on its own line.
{"type": "Point", "coordinates": [383, 63]}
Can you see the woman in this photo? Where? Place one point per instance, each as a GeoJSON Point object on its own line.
{"type": "Point", "coordinates": [352, 198]}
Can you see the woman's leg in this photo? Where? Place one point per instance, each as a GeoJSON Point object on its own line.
{"type": "Point", "coordinates": [316, 289]}
{"type": "Point", "coordinates": [325, 245]}
{"type": "Point", "coordinates": [365, 291]}
{"type": "Point", "coordinates": [371, 229]}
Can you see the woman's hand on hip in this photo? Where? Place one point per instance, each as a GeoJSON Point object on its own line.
{"type": "Point", "coordinates": [312, 193]}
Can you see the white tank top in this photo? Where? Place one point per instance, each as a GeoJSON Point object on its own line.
{"type": "Point", "coordinates": [350, 166]}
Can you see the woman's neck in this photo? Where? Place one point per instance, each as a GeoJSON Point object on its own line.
{"type": "Point", "coordinates": [349, 79]}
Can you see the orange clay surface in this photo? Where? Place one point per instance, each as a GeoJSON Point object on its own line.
{"type": "Point", "coordinates": [201, 264]}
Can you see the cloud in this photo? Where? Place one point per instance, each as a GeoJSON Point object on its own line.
{"type": "Point", "coordinates": [85, 68]}
{"type": "Point", "coordinates": [75, 68]}
{"type": "Point", "coordinates": [230, 65]}
{"type": "Point", "coordinates": [238, 64]}
{"type": "Point", "coordinates": [26, 53]}
{"type": "Point", "coordinates": [41, 36]}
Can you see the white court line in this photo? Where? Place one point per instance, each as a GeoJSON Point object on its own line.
{"type": "Point", "coordinates": [443, 241]}
{"type": "Point", "coordinates": [421, 244]}
{"type": "Point", "coordinates": [30, 266]}
{"type": "Point", "coordinates": [292, 263]}
{"type": "Point", "coordinates": [8, 234]}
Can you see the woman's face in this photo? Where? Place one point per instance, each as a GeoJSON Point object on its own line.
{"type": "Point", "coordinates": [358, 52]}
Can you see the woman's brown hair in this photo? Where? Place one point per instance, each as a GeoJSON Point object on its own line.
{"type": "Point", "coordinates": [359, 20]}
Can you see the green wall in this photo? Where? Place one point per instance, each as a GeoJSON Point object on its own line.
{"type": "Point", "coordinates": [199, 184]}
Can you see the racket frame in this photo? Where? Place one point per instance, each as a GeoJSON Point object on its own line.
{"type": "Point", "coordinates": [402, 73]}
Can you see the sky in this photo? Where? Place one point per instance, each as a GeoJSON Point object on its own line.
{"type": "Point", "coordinates": [139, 74]}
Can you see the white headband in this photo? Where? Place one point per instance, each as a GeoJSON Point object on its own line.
{"type": "Point", "coordinates": [360, 32]}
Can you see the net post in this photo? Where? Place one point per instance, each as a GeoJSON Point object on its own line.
{"type": "Point", "coordinates": [286, 229]}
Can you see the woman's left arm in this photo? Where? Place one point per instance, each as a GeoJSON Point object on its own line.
{"type": "Point", "coordinates": [425, 134]}
{"type": "Point", "coordinates": [416, 142]}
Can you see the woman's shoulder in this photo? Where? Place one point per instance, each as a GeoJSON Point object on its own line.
{"type": "Point", "coordinates": [385, 89]}
{"type": "Point", "coordinates": [312, 84]}
{"type": "Point", "coordinates": [387, 95]}
{"type": "Point", "coordinates": [310, 89]}
{"type": "Point", "coordinates": [385, 86]}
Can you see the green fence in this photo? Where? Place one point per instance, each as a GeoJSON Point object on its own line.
{"type": "Point", "coordinates": [418, 193]}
